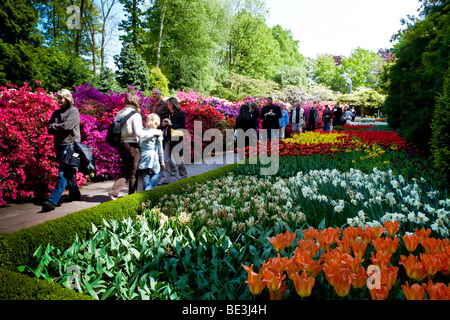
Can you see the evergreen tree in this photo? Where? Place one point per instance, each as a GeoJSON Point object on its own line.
{"type": "Point", "coordinates": [19, 39]}
{"type": "Point", "coordinates": [132, 69]}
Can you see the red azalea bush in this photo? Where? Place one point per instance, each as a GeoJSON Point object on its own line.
{"type": "Point", "coordinates": [209, 116]}
{"type": "Point", "coordinates": [27, 158]}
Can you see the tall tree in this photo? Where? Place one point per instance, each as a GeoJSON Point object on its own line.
{"type": "Point", "coordinates": [108, 23]}
{"type": "Point", "coordinates": [292, 65]}
{"type": "Point", "coordinates": [323, 70]}
{"type": "Point", "coordinates": [133, 23]}
{"type": "Point", "coordinates": [362, 68]}
{"type": "Point", "coordinates": [182, 38]}
{"type": "Point", "coordinates": [417, 76]}
{"type": "Point", "coordinates": [251, 48]}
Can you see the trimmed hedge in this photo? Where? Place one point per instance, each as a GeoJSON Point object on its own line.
{"type": "Point", "coordinates": [15, 286]}
{"type": "Point", "coordinates": [17, 248]}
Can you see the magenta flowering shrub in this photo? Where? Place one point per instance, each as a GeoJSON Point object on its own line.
{"type": "Point", "coordinates": [93, 133]}
{"type": "Point", "coordinates": [27, 160]}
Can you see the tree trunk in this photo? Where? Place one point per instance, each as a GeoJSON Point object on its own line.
{"type": "Point", "coordinates": [160, 39]}
{"type": "Point", "coordinates": [78, 37]}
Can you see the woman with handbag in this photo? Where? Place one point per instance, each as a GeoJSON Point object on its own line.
{"type": "Point", "coordinates": [172, 137]}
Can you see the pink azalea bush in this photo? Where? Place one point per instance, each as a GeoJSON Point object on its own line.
{"type": "Point", "coordinates": [28, 167]}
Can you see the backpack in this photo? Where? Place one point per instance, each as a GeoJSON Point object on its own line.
{"type": "Point", "coordinates": [113, 135]}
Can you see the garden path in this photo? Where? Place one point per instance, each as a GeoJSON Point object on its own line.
{"type": "Point", "coordinates": [14, 216]}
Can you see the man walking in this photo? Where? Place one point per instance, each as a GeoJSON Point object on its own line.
{"type": "Point", "coordinates": [64, 125]}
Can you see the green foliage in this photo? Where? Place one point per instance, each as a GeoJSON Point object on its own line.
{"type": "Point", "coordinates": [159, 80]}
{"type": "Point", "coordinates": [59, 70]}
{"type": "Point", "coordinates": [132, 69]}
{"type": "Point", "coordinates": [323, 70]}
{"type": "Point", "coordinates": [362, 68]}
{"type": "Point", "coordinates": [236, 86]}
{"type": "Point", "coordinates": [440, 140]}
{"type": "Point", "coordinates": [416, 78]}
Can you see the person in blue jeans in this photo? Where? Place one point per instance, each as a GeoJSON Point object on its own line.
{"type": "Point", "coordinates": [64, 125]}
{"type": "Point", "coordinates": [152, 155]}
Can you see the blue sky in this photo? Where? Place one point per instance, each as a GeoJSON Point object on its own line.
{"type": "Point", "coordinates": [338, 26]}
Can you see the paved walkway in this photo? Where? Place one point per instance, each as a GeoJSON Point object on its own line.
{"type": "Point", "coordinates": [14, 217]}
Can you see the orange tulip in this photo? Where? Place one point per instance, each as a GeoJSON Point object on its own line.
{"type": "Point", "coordinates": [377, 231]}
{"type": "Point", "coordinates": [345, 244]}
{"type": "Point", "coordinates": [307, 245]}
{"type": "Point", "coordinates": [359, 279]}
{"type": "Point", "coordinates": [389, 276]}
{"type": "Point", "coordinates": [310, 234]}
{"type": "Point", "coordinates": [314, 268]}
{"type": "Point", "coordinates": [303, 284]}
{"type": "Point", "coordinates": [342, 284]}
{"type": "Point", "coordinates": [276, 265]}
{"type": "Point", "coordinates": [431, 262]}
{"type": "Point", "coordinates": [332, 271]}
{"type": "Point", "coordinates": [368, 235]}
{"type": "Point", "coordinates": [351, 233]}
{"type": "Point", "coordinates": [352, 263]}
{"type": "Point", "coordinates": [431, 245]}
{"type": "Point", "coordinates": [255, 283]}
{"type": "Point", "coordinates": [290, 237]}
{"type": "Point", "coordinates": [333, 256]}
{"type": "Point", "coordinates": [414, 268]}
{"type": "Point", "coordinates": [437, 291]}
{"type": "Point", "coordinates": [359, 248]}
{"type": "Point", "coordinates": [381, 259]}
{"type": "Point", "coordinates": [273, 281]}
{"type": "Point", "coordinates": [391, 227]}
{"type": "Point", "coordinates": [280, 293]}
{"type": "Point", "coordinates": [292, 268]}
{"type": "Point", "coordinates": [379, 294]}
{"type": "Point", "coordinates": [279, 242]}
{"type": "Point", "coordinates": [423, 233]}
{"type": "Point", "coordinates": [325, 240]}
{"type": "Point", "coordinates": [385, 245]}
{"type": "Point", "coordinates": [415, 292]}
{"type": "Point", "coordinates": [411, 242]}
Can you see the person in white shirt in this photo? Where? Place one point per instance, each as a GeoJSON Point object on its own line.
{"type": "Point", "coordinates": [297, 118]}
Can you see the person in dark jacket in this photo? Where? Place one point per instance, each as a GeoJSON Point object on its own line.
{"type": "Point", "coordinates": [271, 114]}
{"type": "Point", "coordinates": [158, 106]}
{"type": "Point", "coordinates": [326, 118]}
{"type": "Point", "coordinates": [176, 120]}
{"type": "Point", "coordinates": [64, 125]}
{"type": "Point", "coordinates": [244, 122]}
{"type": "Point", "coordinates": [337, 116]}
{"type": "Point", "coordinates": [254, 114]}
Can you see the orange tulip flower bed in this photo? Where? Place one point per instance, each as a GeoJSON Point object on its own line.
{"type": "Point", "coordinates": [355, 263]}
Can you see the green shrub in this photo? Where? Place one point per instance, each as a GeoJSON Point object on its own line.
{"type": "Point", "coordinates": [440, 141]}
{"type": "Point", "coordinates": [15, 286]}
{"type": "Point", "coordinates": [159, 80]}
